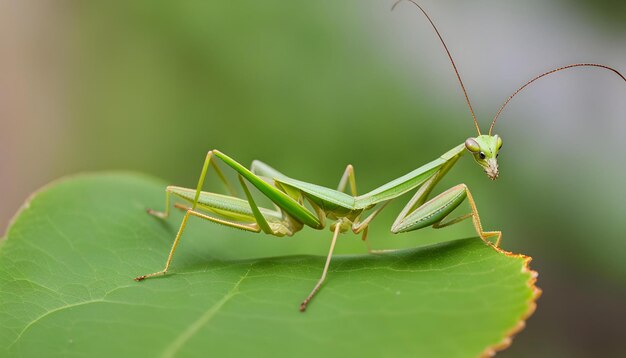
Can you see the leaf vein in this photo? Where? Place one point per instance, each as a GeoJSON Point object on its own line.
{"type": "Point", "coordinates": [206, 317]}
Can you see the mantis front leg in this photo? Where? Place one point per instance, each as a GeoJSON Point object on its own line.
{"type": "Point", "coordinates": [435, 211]}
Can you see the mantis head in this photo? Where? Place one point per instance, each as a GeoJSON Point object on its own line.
{"type": "Point", "coordinates": [485, 150]}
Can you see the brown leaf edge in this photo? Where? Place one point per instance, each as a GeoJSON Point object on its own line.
{"type": "Point", "coordinates": [532, 305]}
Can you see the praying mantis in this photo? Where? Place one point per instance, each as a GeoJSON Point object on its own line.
{"type": "Point", "coordinates": [298, 204]}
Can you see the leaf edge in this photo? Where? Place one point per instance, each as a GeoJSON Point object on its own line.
{"type": "Point", "coordinates": [507, 340]}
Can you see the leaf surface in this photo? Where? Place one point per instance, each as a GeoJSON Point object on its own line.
{"type": "Point", "coordinates": [66, 287]}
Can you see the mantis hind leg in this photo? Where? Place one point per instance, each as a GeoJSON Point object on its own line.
{"type": "Point", "coordinates": [435, 211]}
{"type": "Point", "coordinates": [190, 212]}
{"type": "Point", "coordinates": [256, 223]}
{"type": "Point", "coordinates": [205, 167]}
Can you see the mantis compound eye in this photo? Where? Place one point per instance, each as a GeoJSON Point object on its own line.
{"type": "Point", "coordinates": [472, 145]}
{"type": "Point", "coordinates": [498, 142]}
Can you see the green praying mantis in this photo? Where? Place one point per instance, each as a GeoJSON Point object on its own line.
{"type": "Point", "coordinates": [346, 211]}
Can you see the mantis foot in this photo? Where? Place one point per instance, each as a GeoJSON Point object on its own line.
{"type": "Point", "coordinates": [141, 278]}
{"type": "Point", "coordinates": [158, 214]}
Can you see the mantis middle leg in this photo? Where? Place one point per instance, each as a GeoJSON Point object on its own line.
{"type": "Point", "coordinates": [306, 301]}
{"type": "Point", "coordinates": [347, 177]}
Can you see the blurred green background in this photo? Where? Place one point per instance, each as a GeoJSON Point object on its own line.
{"type": "Point", "coordinates": [309, 87]}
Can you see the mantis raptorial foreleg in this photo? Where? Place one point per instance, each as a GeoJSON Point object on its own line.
{"type": "Point", "coordinates": [449, 222]}
{"type": "Point", "coordinates": [435, 211]}
{"type": "Point", "coordinates": [418, 199]}
{"type": "Point", "coordinates": [484, 235]}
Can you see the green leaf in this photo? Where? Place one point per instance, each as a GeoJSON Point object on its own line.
{"type": "Point", "coordinates": [66, 287]}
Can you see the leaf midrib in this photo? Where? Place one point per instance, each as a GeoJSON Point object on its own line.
{"type": "Point", "coordinates": [205, 318]}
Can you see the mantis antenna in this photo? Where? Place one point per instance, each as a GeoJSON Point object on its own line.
{"type": "Point", "coordinates": [545, 74]}
{"type": "Point", "coordinates": [469, 104]}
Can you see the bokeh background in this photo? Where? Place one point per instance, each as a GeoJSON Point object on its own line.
{"type": "Point", "coordinates": [310, 86]}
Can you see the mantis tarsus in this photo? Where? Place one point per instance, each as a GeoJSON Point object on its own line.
{"type": "Point", "coordinates": [346, 211]}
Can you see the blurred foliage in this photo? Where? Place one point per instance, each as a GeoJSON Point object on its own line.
{"type": "Point", "coordinates": [290, 86]}
{"type": "Point", "coordinates": [609, 14]}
